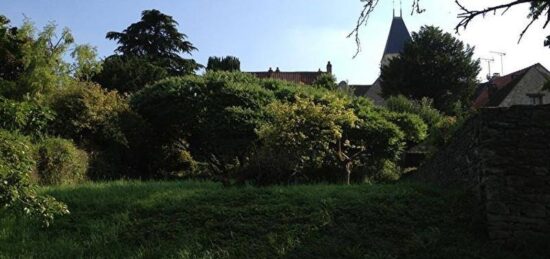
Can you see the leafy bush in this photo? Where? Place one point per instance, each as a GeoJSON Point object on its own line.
{"type": "Point", "coordinates": [26, 117]}
{"type": "Point", "coordinates": [16, 191]}
{"type": "Point", "coordinates": [83, 109]}
{"type": "Point", "coordinates": [327, 81]}
{"type": "Point", "coordinates": [215, 114]}
{"type": "Point", "coordinates": [102, 123]}
{"type": "Point", "coordinates": [268, 131]}
{"type": "Point", "coordinates": [60, 162]}
{"type": "Point", "coordinates": [444, 130]}
{"type": "Point", "coordinates": [300, 138]}
{"type": "Point", "coordinates": [411, 124]}
{"type": "Point", "coordinates": [422, 108]}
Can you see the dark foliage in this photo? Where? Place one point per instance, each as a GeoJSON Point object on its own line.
{"type": "Point", "coordinates": [128, 74]}
{"type": "Point", "coordinates": [434, 65]}
{"type": "Point", "coordinates": [10, 51]}
{"type": "Point", "coordinates": [156, 37]}
{"type": "Point", "coordinates": [229, 63]}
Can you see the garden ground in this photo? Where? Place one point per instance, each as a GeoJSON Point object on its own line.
{"type": "Point", "coordinates": [206, 220]}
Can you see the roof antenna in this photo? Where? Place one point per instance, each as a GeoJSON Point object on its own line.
{"type": "Point", "coordinates": [501, 54]}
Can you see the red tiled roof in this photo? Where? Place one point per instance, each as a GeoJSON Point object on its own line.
{"type": "Point", "coordinates": [307, 78]}
{"type": "Point", "coordinates": [500, 88]}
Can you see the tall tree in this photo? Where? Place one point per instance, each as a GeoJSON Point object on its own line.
{"type": "Point", "coordinates": [149, 50]}
{"type": "Point", "coordinates": [228, 63]}
{"type": "Point", "coordinates": [33, 62]}
{"type": "Point", "coordinates": [10, 51]}
{"type": "Point", "coordinates": [156, 38]}
{"type": "Point", "coordinates": [434, 65]}
{"type": "Point", "coordinates": [539, 9]}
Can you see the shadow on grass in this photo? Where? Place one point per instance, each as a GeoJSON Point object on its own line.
{"type": "Point", "coordinates": [205, 220]}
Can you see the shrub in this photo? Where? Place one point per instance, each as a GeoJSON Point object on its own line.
{"type": "Point", "coordinates": [422, 108]}
{"type": "Point", "coordinates": [60, 162]}
{"type": "Point", "coordinates": [102, 123]}
{"type": "Point", "coordinates": [83, 109]}
{"type": "Point", "coordinates": [444, 130]}
{"type": "Point", "coordinates": [26, 117]}
{"type": "Point", "coordinates": [326, 81]}
{"type": "Point", "coordinates": [215, 114]}
{"type": "Point", "coordinates": [266, 131]}
{"type": "Point", "coordinates": [300, 138]}
{"type": "Point", "coordinates": [16, 191]}
{"type": "Point", "coordinates": [411, 125]}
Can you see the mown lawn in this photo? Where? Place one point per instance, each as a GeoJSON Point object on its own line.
{"type": "Point", "coordinates": [205, 220]}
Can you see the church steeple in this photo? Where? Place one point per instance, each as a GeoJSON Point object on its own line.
{"type": "Point", "coordinates": [398, 36]}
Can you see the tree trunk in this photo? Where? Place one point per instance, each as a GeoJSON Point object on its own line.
{"type": "Point", "coordinates": [348, 171]}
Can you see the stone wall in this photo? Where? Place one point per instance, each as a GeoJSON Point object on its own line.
{"type": "Point", "coordinates": [503, 156]}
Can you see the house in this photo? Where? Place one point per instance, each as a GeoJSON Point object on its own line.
{"type": "Point", "coordinates": [306, 77]}
{"type": "Point", "coordinates": [523, 87]}
{"type": "Point", "coordinates": [399, 35]}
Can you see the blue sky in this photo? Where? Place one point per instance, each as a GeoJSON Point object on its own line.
{"type": "Point", "coordinates": [289, 34]}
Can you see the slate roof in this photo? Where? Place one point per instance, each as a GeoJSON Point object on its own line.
{"type": "Point", "coordinates": [493, 92]}
{"type": "Point", "coordinates": [399, 35]}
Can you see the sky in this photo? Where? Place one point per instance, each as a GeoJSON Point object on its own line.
{"type": "Point", "coordinates": [294, 35]}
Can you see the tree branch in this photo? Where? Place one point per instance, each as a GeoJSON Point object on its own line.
{"type": "Point", "coordinates": [468, 15]}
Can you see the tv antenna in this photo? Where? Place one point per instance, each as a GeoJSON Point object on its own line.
{"type": "Point", "coordinates": [501, 54]}
{"type": "Point", "coordinates": [489, 61]}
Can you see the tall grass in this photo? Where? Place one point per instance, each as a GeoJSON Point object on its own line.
{"type": "Point", "coordinates": [206, 220]}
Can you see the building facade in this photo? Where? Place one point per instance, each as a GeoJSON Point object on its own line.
{"type": "Point", "coordinates": [523, 87]}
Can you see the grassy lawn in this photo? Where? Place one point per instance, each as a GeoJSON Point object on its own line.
{"type": "Point", "coordinates": [205, 220]}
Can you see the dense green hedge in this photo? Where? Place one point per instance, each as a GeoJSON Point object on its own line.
{"type": "Point", "coordinates": [222, 120]}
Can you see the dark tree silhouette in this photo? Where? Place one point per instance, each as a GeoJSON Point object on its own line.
{"type": "Point", "coordinates": [434, 65]}
{"type": "Point", "coordinates": [149, 50]}
{"type": "Point", "coordinates": [156, 37]}
{"type": "Point", "coordinates": [228, 63]}
{"type": "Point", "coordinates": [10, 51]}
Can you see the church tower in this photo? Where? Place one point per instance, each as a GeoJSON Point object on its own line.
{"type": "Point", "coordinates": [399, 35]}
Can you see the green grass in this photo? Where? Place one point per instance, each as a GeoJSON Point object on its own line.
{"type": "Point", "coordinates": [205, 220]}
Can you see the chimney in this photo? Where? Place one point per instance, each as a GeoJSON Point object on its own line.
{"type": "Point", "coordinates": [329, 68]}
{"type": "Point", "coordinates": [270, 70]}
{"type": "Point", "coordinates": [277, 70]}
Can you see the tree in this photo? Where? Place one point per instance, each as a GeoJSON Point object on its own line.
{"type": "Point", "coordinates": [128, 74]}
{"type": "Point", "coordinates": [538, 9]}
{"type": "Point", "coordinates": [86, 64]}
{"type": "Point", "coordinates": [434, 65]}
{"type": "Point", "coordinates": [35, 63]}
{"type": "Point", "coordinates": [228, 63]}
{"type": "Point", "coordinates": [148, 51]}
{"type": "Point", "coordinates": [157, 38]}
{"type": "Point", "coordinates": [10, 51]}
{"type": "Point", "coordinates": [327, 81]}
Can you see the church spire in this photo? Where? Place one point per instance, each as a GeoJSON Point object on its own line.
{"type": "Point", "coordinates": [398, 36]}
{"type": "Point", "coordinates": [400, 8]}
